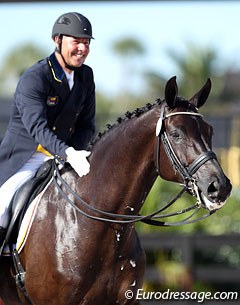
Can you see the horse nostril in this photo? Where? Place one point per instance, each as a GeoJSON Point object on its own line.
{"type": "Point", "coordinates": [213, 190]}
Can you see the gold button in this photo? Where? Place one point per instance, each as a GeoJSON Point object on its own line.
{"type": "Point", "coordinates": [54, 128]}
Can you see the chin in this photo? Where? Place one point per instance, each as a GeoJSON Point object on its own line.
{"type": "Point", "coordinates": [211, 205]}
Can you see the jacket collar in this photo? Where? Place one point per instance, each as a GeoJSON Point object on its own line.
{"type": "Point", "coordinates": [58, 77]}
{"type": "Point", "coordinates": [56, 69]}
{"type": "Point", "coordinates": [59, 81]}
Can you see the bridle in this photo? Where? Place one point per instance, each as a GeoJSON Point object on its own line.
{"type": "Point", "coordinates": [186, 173]}
{"type": "Point", "coordinates": [189, 185]}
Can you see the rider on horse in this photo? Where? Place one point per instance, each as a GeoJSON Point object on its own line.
{"type": "Point", "coordinates": [53, 113]}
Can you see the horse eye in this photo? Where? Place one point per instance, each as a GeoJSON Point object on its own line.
{"type": "Point", "coordinates": [175, 135]}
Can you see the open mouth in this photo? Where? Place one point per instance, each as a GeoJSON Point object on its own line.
{"type": "Point", "coordinates": [210, 205]}
{"type": "Point", "coordinates": [79, 58]}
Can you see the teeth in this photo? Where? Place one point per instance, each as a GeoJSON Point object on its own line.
{"type": "Point", "coordinates": [212, 205]}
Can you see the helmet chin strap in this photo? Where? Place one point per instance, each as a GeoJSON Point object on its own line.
{"type": "Point", "coordinates": [59, 51]}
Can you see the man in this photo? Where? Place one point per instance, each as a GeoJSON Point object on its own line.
{"type": "Point", "coordinates": [53, 113]}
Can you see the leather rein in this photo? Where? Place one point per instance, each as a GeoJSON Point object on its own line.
{"type": "Point", "coordinates": [189, 185]}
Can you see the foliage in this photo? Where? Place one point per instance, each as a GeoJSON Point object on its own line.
{"type": "Point", "coordinates": [104, 108]}
{"type": "Point", "coordinates": [129, 50]}
{"type": "Point", "coordinates": [155, 85]}
{"type": "Point", "coordinates": [128, 47]}
{"type": "Point", "coordinates": [195, 67]}
{"type": "Point", "coordinates": [15, 63]}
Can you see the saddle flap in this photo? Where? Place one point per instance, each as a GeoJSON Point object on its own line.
{"type": "Point", "coordinates": [24, 196]}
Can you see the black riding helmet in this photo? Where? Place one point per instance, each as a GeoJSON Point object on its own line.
{"type": "Point", "coordinates": [72, 24]}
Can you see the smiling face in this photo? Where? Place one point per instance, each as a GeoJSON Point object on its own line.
{"type": "Point", "coordinates": [74, 51]}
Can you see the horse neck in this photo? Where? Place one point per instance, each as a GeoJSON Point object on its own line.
{"type": "Point", "coordinates": [122, 163]}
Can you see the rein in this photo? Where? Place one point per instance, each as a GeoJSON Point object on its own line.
{"type": "Point", "coordinates": [189, 186]}
{"type": "Point", "coordinates": [123, 218]}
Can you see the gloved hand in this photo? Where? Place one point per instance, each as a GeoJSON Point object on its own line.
{"type": "Point", "coordinates": [78, 160]}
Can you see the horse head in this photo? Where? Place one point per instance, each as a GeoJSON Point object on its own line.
{"type": "Point", "coordinates": [187, 147]}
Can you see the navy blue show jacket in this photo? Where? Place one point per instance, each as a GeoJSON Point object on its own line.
{"type": "Point", "coordinates": [45, 111]}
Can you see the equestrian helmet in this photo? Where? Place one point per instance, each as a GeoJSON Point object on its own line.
{"type": "Point", "coordinates": [72, 24]}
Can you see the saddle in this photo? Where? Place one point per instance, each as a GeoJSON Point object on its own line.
{"type": "Point", "coordinates": [24, 196]}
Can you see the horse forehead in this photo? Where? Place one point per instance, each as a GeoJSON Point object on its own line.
{"type": "Point", "coordinates": [188, 121]}
{"type": "Point", "coordinates": [191, 123]}
{"type": "Point", "coordinates": [184, 104]}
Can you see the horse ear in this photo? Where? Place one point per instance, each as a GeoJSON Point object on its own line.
{"type": "Point", "coordinates": [171, 91]}
{"type": "Point", "coordinates": [201, 96]}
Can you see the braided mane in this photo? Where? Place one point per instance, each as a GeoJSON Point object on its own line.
{"type": "Point", "coordinates": [127, 116]}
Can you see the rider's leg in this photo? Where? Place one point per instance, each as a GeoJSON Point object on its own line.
{"type": "Point", "coordinates": [8, 189]}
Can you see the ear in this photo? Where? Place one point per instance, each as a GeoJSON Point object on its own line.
{"type": "Point", "coordinates": [201, 96]}
{"type": "Point", "coordinates": [171, 91]}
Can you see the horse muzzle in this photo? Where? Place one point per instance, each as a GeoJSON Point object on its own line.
{"type": "Point", "coordinates": [215, 195]}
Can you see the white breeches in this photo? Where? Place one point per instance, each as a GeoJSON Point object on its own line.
{"type": "Point", "coordinates": [8, 189]}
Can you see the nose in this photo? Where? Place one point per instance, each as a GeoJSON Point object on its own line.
{"type": "Point", "coordinates": [83, 46]}
{"type": "Point", "coordinates": [218, 191]}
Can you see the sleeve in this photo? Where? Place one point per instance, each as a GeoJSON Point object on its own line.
{"type": "Point", "coordinates": [31, 102]}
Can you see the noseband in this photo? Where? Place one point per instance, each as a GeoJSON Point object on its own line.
{"type": "Point", "coordinates": [186, 172]}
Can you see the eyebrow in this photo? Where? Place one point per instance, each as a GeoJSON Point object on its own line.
{"type": "Point", "coordinates": [80, 38]}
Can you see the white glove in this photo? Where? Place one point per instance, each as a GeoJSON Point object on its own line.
{"type": "Point", "coordinates": [78, 160]}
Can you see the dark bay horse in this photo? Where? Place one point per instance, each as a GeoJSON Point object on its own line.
{"type": "Point", "coordinates": [73, 259]}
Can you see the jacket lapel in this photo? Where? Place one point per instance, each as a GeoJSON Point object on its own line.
{"type": "Point", "coordinates": [57, 77]}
